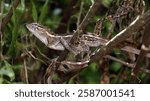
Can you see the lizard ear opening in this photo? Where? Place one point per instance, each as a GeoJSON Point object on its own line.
{"type": "Point", "coordinates": [65, 66]}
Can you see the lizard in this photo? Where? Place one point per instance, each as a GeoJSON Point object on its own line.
{"type": "Point", "coordinates": [58, 42]}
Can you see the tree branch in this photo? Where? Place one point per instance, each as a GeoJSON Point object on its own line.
{"type": "Point", "coordinates": [78, 32]}
{"type": "Point", "coordinates": [144, 50]}
{"type": "Point", "coordinates": [94, 7]}
{"type": "Point", "coordinates": [122, 36]}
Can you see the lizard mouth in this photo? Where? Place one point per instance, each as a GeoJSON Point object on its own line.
{"type": "Point", "coordinates": [29, 27]}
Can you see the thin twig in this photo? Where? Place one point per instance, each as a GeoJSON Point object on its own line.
{"type": "Point", "coordinates": [144, 50]}
{"type": "Point", "coordinates": [43, 55]}
{"type": "Point", "coordinates": [94, 7]}
{"type": "Point", "coordinates": [120, 61]}
{"type": "Point", "coordinates": [80, 13]}
{"type": "Point", "coordinates": [78, 32]}
{"type": "Point", "coordinates": [35, 57]}
{"type": "Point", "coordinates": [91, 12]}
{"type": "Point", "coordinates": [26, 72]}
{"type": "Point", "coordinates": [122, 36]}
{"type": "Point", "coordinates": [130, 65]}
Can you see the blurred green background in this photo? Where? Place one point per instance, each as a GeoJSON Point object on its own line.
{"type": "Point", "coordinates": [17, 42]}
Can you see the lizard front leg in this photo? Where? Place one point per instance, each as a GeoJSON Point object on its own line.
{"type": "Point", "coordinates": [54, 43]}
{"type": "Point", "coordinates": [78, 49]}
{"type": "Point", "coordinates": [66, 45]}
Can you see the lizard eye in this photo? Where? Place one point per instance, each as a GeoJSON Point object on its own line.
{"type": "Point", "coordinates": [35, 27]}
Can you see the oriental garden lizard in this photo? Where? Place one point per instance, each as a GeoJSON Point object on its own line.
{"type": "Point", "coordinates": [59, 42]}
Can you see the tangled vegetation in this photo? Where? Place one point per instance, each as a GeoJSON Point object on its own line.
{"type": "Point", "coordinates": [25, 59]}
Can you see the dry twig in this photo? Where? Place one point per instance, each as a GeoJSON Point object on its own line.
{"type": "Point", "coordinates": [144, 50]}
{"type": "Point", "coordinates": [122, 36]}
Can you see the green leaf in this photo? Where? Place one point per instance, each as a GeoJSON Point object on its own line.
{"type": "Point", "coordinates": [106, 3]}
{"type": "Point", "coordinates": [34, 11]}
{"type": "Point", "coordinates": [44, 11]}
{"type": "Point", "coordinates": [12, 48]}
{"type": "Point", "coordinates": [21, 6]}
{"type": "Point", "coordinates": [115, 66]}
{"type": "Point", "coordinates": [1, 80]}
{"type": "Point", "coordinates": [8, 71]}
{"type": "Point", "coordinates": [93, 66]}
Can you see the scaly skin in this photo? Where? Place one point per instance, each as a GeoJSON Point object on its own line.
{"type": "Point", "coordinates": [57, 42]}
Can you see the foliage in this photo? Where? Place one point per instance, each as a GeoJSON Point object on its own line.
{"type": "Point", "coordinates": [19, 49]}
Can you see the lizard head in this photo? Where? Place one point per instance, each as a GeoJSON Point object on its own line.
{"type": "Point", "coordinates": [45, 35]}
{"type": "Point", "coordinates": [41, 32]}
{"type": "Point", "coordinates": [36, 28]}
